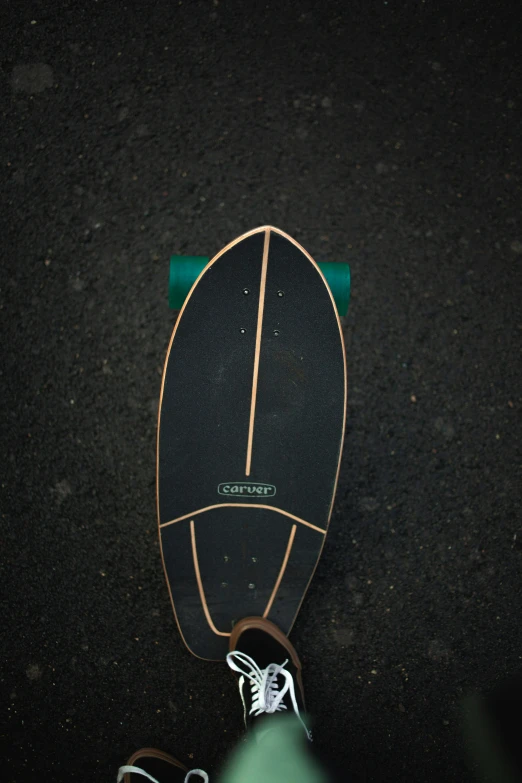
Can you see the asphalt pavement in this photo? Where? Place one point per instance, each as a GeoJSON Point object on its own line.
{"type": "Point", "coordinates": [384, 134]}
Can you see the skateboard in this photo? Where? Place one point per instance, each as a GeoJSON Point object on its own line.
{"type": "Point", "coordinates": [250, 433]}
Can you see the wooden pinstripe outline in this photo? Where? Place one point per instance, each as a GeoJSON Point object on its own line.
{"type": "Point", "coordinates": [243, 505]}
{"type": "Point", "coordinates": [201, 589]}
{"type": "Point", "coordinates": [267, 230]}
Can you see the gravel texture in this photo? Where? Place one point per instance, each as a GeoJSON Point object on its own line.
{"type": "Point", "coordinates": [380, 133]}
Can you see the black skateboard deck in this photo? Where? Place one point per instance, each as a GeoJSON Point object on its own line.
{"type": "Point", "coordinates": [250, 433]}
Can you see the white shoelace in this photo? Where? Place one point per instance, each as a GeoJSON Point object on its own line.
{"type": "Point", "coordinates": [266, 694]}
{"type": "Point", "coordinates": [138, 771]}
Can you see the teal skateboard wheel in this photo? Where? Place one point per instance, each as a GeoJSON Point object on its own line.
{"type": "Point", "coordinates": [338, 278]}
{"type": "Point", "coordinates": [184, 271]}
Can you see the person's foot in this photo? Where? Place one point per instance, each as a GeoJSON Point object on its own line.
{"type": "Point", "coordinates": [268, 670]}
{"type": "Point", "coordinates": [157, 766]}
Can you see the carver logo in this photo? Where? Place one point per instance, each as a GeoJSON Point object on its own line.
{"type": "Point", "coordinates": [246, 489]}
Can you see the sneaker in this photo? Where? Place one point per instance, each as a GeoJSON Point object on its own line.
{"type": "Point", "coordinates": [155, 765]}
{"type": "Point", "coordinates": [268, 671]}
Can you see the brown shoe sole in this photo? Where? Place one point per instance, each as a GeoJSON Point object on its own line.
{"type": "Point", "coordinates": [154, 754]}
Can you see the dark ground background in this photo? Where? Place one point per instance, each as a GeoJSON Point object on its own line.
{"type": "Point", "coordinates": [385, 134]}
